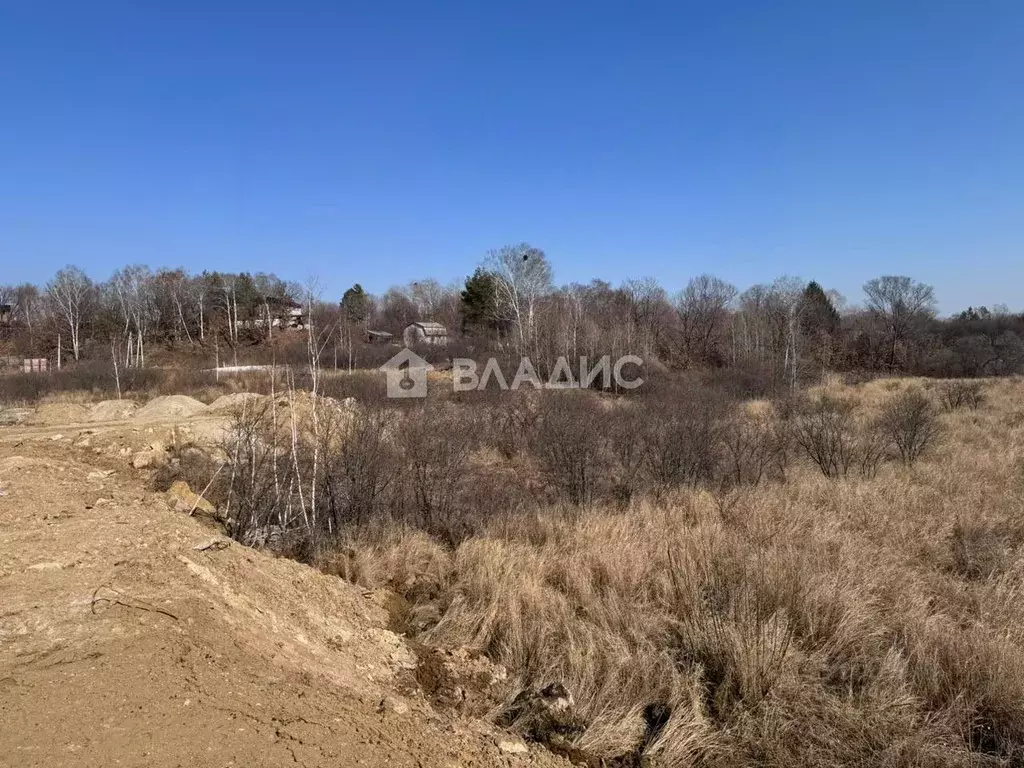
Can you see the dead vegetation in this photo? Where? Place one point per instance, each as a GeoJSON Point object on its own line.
{"type": "Point", "coordinates": [827, 581]}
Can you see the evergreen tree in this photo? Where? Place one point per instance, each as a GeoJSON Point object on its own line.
{"type": "Point", "coordinates": [356, 305]}
{"type": "Point", "coordinates": [479, 305]}
{"type": "Point", "coordinates": [818, 313]}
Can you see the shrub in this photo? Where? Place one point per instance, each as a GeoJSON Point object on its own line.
{"type": "Point", "coordinates": [570, 443]}
{"type": "Point", "coordinates": [360, 466]}
{"type": "Point", "coordinates": [870, 447]}
{"type": "Point", "coordinates": [754, 446]}
{"type": "Point", "coordinates": [511, 418]}
{"type": "Point", "coordinates": [681, 439]}
{"type": "Point", "coordinates": [958, 394]}
{"type": "Point", "coordinates": [825, 431]}
{"type": "Point", "coordinates": [435, 443]}
{"type": "Point", "coordinates": [260, 477]}
{"type": "Point", "coordinates": [367, 387]}
{"type": "Point", "coordinates": [627, 446]}
{"type": "Point", "coordinates": [910, 422]}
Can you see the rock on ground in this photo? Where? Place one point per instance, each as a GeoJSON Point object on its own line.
{"type": "Point", "coordinates": [184, 499]}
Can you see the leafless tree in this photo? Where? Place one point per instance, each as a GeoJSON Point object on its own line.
{"type": "Point", "coordinates": [650, 312]}
{"type": "Point", "coordinates": [523, 275]}
{"type": "Point", "coordinates": [227, 288]}
{"type": "Point", "coordinates": [702, 309]}
{"type": "Point", "coordinates": [788, 293]}
{"type": "Point", "coordinates": [133, 288]}
{"type": "Point", "coordinates": [71, 292]}
{"type": "Point", "coordinates": [898, 304]}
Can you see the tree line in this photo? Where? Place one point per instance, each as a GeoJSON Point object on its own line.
{"type": "Point", "coordinates": [784, 332]}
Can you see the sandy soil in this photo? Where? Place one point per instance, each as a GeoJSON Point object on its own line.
{"type": "Point", "coordinates": [131, 634]}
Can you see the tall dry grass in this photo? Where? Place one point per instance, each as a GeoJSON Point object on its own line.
{"type": "Point", "coordinates": [807, 621]}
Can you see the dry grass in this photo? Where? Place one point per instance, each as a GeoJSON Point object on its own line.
{"type": "Point", "coordinates": [815, 622]}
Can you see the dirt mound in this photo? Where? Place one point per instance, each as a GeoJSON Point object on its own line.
{"type": "Point", "coordinates": [169, 407]}
{"type": "Point", "coordinates": [235, 402]}
{"type": "Point", "coordinates": [58, 414]}
{"type": "Point", "coordinates": [303, 404]}
{"type": "Point", "coordinates": [140, 637]}
{"type": "Point", "coordinates": [14, 416]}
{"type": "Point", "coordinates": [113, 410]}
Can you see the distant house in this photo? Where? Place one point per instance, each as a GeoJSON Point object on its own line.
{"type": "Point", "coordinates": [425, 333]}
{"type": "Point", "coordinates": [379, 337]}
{"type": "Point", "coordinates": [26, 364]}
{"type": "Point", "coordinates": [284, 313]}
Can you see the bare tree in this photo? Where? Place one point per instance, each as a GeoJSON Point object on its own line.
{"type": "Point", "coordinates": [133, 287]}
{"type": "Point", "coordinates": [227, 288]}
{"type": "Point", "coordinates": [71, 292]}
{"type": "Point", "coordinates": [269, 287]}
{"type": "Point", "coordinates": [523, 275]}
{"type": "Point", "coordinates": [898, 304]}
{"type": "Point", "coordinates": [649, 312]}
{"type": "Point", "coordinates": [702, 309]}
{"type": "Point", "coordinates": [789, 292]}
{"type": "Point", "coordinates": [181, 290]}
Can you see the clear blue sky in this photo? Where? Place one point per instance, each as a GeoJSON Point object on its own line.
{"type": "Point", "coordinates": [382, 142]}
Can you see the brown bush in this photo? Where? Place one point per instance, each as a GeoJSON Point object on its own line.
{"type": "Point", "coordinates": [825, 429]}
{"type": "Point", "coordinates": [960, 394]}
{"type": "Point", "coordinates": [755, 446]}
{"type": "Point", "coordinates": [570, 442]}
{"type": "Point", "coordinates": [435, 442]}
{"type": "Point", "coordinates": [628, 426]}
{"type": "Point", "coordinates": [510, 420]}
{"type": "Point", "coordinates": [681, 439]}
{"type": "Point", "coordinates": [359, 467]}
{"type": "Point", "coordinates": [871, 446]}
{"type": "Point", "coordinates": [909, 420]}
{"type": "Point", "coordinates": [261, 477]}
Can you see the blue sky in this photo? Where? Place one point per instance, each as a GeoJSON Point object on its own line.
{"type": "Point", "coordinates": [383, 142]}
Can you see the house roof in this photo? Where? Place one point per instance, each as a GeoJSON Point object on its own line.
{"type": "Point", "coordinates": [282, 301]}
{"type": "Point", "coordinates": [431, 328]}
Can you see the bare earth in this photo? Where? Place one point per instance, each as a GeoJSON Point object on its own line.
{"type": "Point", "coordinates": [124, 642]}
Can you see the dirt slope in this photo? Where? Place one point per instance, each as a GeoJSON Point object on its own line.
{"type": "Point", "coordinates": [121, 643]}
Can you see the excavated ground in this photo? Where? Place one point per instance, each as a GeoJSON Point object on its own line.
{"type": "Point", "coordinates": [134, 634]}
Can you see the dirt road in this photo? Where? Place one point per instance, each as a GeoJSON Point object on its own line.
{"type": "Point", "coordinates": [134, 635]}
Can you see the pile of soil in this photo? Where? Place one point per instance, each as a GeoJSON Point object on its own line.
{"type": "Point", "coordinates": [14, 416]}
{"type": "Point", "coordinates": [169, 407]}
{"type": "Point", "coordinates": [232, 403]}
{"type": "Point", "coordinates": [113, 410]}
{"type": "Point", "coordinates": [58, 414]}
{"type": "Point", "coordinates": [140, 636]}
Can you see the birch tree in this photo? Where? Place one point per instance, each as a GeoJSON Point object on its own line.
{"type": "Point", "coordinates": [523, 275]}
{"type": "Point", "coordinates": [71, 292]}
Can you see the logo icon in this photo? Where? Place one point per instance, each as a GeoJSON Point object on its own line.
{"type": "Point", "coordinates": [406, 374]}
